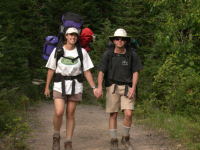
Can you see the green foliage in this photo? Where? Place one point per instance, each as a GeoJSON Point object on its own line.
{"type": "Point", "coordinates": [13, 126]}
{"type": "Point", "coordinates": [99, 46]}
{"type": "Point", "coordinates": [183, 129]}
{"type": "Point", "coordinates": [180, 92]}
{"type": "Point", "coordinates": [175, 57]}
{"type": "Point", "coordinates": [170, 79]}
{"type": "Point", "coordinates": [168, 32]}
{"type": "Point", "coordinates": [11, 101]}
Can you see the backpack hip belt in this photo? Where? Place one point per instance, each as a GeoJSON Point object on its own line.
{"type": "Point", "coordinates": [61, 78]}
{"type": "Point", "coordinates": [116, 83]}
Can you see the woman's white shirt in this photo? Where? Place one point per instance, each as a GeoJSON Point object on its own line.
{"type": "Point", "coordinates": [68, 68]}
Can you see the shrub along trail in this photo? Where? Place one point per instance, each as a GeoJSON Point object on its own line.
{"type": "Point", "coordinates": [91, 132]}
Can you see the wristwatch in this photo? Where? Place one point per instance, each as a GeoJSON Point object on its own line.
{"type": "Point", "coordinates": [94, 87]}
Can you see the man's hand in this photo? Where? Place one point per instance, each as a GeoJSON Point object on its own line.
{"type": "Point", "coordinates": [99, 92]}
{"type": "Point", "coordinates": [95, 92]}
{"type": "Point", "coordinates": [131, 93]}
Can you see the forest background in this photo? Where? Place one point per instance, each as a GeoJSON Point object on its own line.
{"type": "Point", "coordinates": [168, 34]}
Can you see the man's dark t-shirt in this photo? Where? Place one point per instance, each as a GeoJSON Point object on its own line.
{"type": "Point", "coordinates": [119, 68]}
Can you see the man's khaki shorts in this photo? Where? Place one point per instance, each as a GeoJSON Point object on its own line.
{"type": "Point", "coordinates": [75, 97]}
{"type": "Point", "coordinates": [117, 100]}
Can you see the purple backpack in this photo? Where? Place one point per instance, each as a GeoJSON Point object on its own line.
{"type": "Point", "coordinates": [49, 45]}
{"type": "Point", "coordinates": [71, 20]}
{"type": "Point", "coordinates": [68, 20]}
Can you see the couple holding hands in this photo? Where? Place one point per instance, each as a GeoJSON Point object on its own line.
{"type": "Point", "coordinates": [118, 68]}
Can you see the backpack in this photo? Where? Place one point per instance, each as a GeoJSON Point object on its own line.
{"type": "Point", "coordinates": [86, 38]}
{"type": "Point", "coordinates": [111, 54]}
{"type": "Point", "coordinates": [131, 48]}
{"type": "Point", "coordinates": [49, 45]}
{"type": "Point", "coordinates": [68, 20]}
{"type": "Point", "coordinates": [71, 20]}
{"type": "Point", "coordinates": [52, 42]}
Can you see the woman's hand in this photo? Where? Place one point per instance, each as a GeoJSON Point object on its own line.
{"type": "Point", "coordinates": [99, 92]}
{"type": "Point", "coordinates": [95, 92]}
{"type": "Point", "coordinates": [47, 92]}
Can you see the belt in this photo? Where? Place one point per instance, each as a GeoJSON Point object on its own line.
{"type": "Point", "coordinates": [125, 91]}
{"type": "Point", "coordinates": [61, 78]}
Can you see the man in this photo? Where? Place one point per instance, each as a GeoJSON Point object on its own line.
{"type": "Point", "coordinates": [119, 68]}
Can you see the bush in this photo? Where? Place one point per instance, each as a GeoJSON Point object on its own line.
{"type": "Point", "coordinates": [177, 88]}
{"type": "Point", "coordinates": [13, 126]}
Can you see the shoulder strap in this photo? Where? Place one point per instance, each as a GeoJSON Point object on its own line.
{"type": "Point", "coordinates": [58, 53]}
{"type": "Point", "coordinates": [130, 58]}
{"type": "Point", "coordinates": [59, 49]}
{"type": "Point", "coordinates": [109, 58]}
{"type": "Point", "coordinates": [80, 55]}
{"type": "Point", "coordinates": [110, 53]}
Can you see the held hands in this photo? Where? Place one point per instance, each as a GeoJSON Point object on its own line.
{"type": "Point", "coordinates": [97, 92]}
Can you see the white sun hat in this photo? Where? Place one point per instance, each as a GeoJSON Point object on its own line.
{"type": "Point", "coordinates": [71, 30]}
{"type": "Point", "coordinates": [120, 33]}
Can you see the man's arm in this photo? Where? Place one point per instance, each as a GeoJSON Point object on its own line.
{"type": "Point", "coordinates": [103, 67]}
{"type": "Point", "coordinates": [100, 83]}
{"type": "Point", "coordinates": [132, 90]}
{"type": "Point", "coordinates": [135, 79]}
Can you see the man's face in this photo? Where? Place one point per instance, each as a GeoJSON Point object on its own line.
{"type": "Point", "coordinates": [119, 42]}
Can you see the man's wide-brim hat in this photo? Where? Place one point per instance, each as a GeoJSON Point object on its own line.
{"type": "Point", "coordinates": [120, 33]}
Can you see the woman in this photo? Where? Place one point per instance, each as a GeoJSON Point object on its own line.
{"type": "Point", "coordinates": [67, 84]}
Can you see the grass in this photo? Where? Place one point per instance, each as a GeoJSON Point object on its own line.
{"type": "Point", "coordinates": [14, 125]}
{"type": "Point", "coordinates": [182, 129]}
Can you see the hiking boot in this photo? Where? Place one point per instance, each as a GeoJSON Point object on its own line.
{"type": "Point", "coordinates": [56, 142]}
{"type": "Point", "coordinates": [114, 144]}
{"type": "Point", "coordinates": [126, 143]}
{"type": "Point", "coordinates": [68, 145]}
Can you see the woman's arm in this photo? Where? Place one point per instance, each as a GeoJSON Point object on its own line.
{"type": "Point", "coordinates": [89, 78]}
{"type": "Point", "coordinates": [50, 74]}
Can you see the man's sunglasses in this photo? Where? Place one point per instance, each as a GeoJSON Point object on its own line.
{"type": "Point", "coordinates": [120, 38]}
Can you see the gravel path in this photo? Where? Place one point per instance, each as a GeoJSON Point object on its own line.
{"type": "Point", "coordinates": [91, 132]}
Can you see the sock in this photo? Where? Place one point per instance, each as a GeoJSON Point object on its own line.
{"type": "Point", "coordinates": [56, 132]}
{"type": "Point", "coordinates": [125, 130]}
{"type": "Point", "coordinates": [113, 133]}
{"type": "Point", "coordinates": [68, 139]}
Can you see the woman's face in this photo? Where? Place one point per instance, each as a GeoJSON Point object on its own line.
{"type": "Point", "coordinates": [71, 38]}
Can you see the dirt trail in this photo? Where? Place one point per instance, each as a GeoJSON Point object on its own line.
{"type": "Point", "coordinates": [91, 132]}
